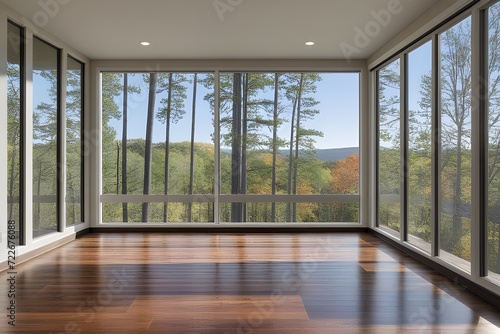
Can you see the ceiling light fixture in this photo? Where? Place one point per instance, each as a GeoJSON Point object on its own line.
{"type": "Point", "coordinates": [309, 43]}
{"type": "Point", "coordinates": [145, 43]}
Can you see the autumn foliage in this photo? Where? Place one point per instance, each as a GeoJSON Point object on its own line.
{"type": "Point", "coordinates": [345, 176]}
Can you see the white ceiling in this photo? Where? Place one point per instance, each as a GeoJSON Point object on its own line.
{"type": "Point", "coordinates": [192, 29]}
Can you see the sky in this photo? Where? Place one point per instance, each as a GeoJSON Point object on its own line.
{"type": "Point", "coordinates": [338, 94]}
{"type": "Point", "coordinates": [419, 64]}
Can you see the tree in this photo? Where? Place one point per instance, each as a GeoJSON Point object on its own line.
{"type": "Point", "coordinates": [345, 175]}
{"type": "Point", "coordinates": [236, 163]}
{"type": "Point", "coordinates": [124, 145]}
{"type": "Point", "coordinates": [111, 88]}
{"type": "Point", "coordinates": [389, 103]}
{"type": "Point", "coordinates": [74, 154]}
{"type": "Point", "coordinates": [298, 87]}
{"type": "Point", "coordinates": [45, 153]}
{"type": "Point", "coordinates": [14, 136]}
{"type": "Point", "coordinates": [275, 142]}
{"type": "Point", "coordinates": [171, 110]}
{"type": "Point", "coordinates": [191, 151]}
{"type": "Point", "coordinates": [389, 83]}
{"type": "Point", "coordinates": [455, 120]}
{"type": "Point", "coordinates": [494, 136]}
{"type": "Point", "coordinates": [243, 114]}
{"type": "Point", "coordinates": [149, 144]}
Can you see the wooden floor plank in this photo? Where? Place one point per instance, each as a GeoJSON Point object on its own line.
{"type": "Point", "coordinates": [239, 283]}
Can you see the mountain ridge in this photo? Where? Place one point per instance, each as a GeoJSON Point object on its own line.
{"type": "Point", "coordinates": [325, 154]}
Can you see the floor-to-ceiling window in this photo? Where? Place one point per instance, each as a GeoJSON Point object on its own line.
{"type": "Point", "coordinates": [15, 115]}
{"type": "Point", "coordinates": [157, 139]}
{"type": "Point", "coordinates": [419, 105]}
{"type": "Point", "coordinates": [74, 141]}
{"type": "Point", "coordinates": [289, 134]}
{"type": "Point", "coordinates": [286, 147]}
{"type": "Point", "coordinates": [455, 133]}
{"type": "Point", "coordinates": [436, 142]}
{"type": "Point", "coordinates": [389, 146]}
{"type": "Point", "coordinates": [493, 179]}
{"type": "Point", "coordinates": [46, 95]}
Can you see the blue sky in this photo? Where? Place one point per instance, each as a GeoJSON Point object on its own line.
{"type": "Point", "coordinates": [338, 94]}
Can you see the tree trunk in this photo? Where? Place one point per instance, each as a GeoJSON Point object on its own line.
{"type": "Point", "coordinates": [236, 208]}
{"type": "Point", "coordinates": [167, 145]}
{"type": "Point", "coordinates": [457, 200]}
{"type": "Point", "coordinates": [191, 160]}
{"type": "Point", "coordinates": [73, 203]}
{"type": "Point", "coordinates": [149, 145]}
{"type": "Point", "coordinates": [117, 167]}
{"type": "Point", "coordinates": [275, 145]}
{"type": "Point", "coordinates": [244, 147]}
{"type": "Point", "coordinates": [38, 188]}
{"type": "Point", "coordinates": [124, 146]}
{"type": "Point", "coordinates": [290, 162]}
{"type": "Point", "coordinates": [11, 184]}
{"type": "Point", "coordinates": [498, 251]}
{"type": "Point", "coordinates": [297, 138]}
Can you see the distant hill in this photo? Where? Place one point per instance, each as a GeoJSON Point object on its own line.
{"type": "Point", "coordinates": [330, 154]}
{"type": "Point", "coordinates": [326, 155]}
{"type": "Point", "coordinates": [334, 154]}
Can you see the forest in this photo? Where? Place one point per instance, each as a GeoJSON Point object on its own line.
{"type": "Point", "coordinates": [255, 157]}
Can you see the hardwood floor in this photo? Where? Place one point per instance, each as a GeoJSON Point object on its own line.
{"type": "Point", "coordinates": [238, 283]}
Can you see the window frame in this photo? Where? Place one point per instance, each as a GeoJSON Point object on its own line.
{"type": "Point", "coordinates": [218, 197]}
{"type": "Point", "coordinates": [82, 140]}
{"type": "Point", "coordinates": [59, 145]}
{"type": "Point", "coordinates": [22, 133]}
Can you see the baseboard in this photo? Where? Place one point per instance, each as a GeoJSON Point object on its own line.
{"type": "Point", "coordinates": [39, 251]}
{"type": "Point", "coordinates": [210, 229]}
{"type": "Point", "coordinates": [81, 233]}
{"type": "Point", "coordinates": [459, 279]}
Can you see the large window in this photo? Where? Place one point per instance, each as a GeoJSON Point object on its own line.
{"type": "Point", "coordinates": [288, 147]}
{"type": "Point", "coordinates": [455, 113]}
{"type": "Point", "coordinates": [431, 199]}
{"type": "Point", "coordinates": [420, 146]}
{"type": "Point", "coordinates": [493, 180]}
{"type": "Point", "coordinates": [74, 154]}
{"type": "Point", "coordinates": [448, 137]}
{"type": "Point", "coordinates": [45, 137]}
{"type": "Point", "coordinates": [289, 134]}
{"type": "Point", "coordinates": [157, 139]}
{"type": "Point", "coordinates": [389, 146]}
{"type": "Point", "coordinates": [15, 114]}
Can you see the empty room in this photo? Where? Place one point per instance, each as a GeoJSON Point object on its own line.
{"type": "Point", "coordinates": [250, 166]}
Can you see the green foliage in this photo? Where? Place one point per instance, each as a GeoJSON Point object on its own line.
{"type": "Point", "coordinates": [261, 117]}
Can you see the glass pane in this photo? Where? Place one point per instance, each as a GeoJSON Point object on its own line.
{"type": "Point", "coordinates": [157, 139]}
{"type": "Point", "coordinates": [74, 157]}
{"type": "Point", "coordinates": [493, 228]}
{"type": "Point", "coordinates": [15, 67]}
{"type": "Point", "coordinates": [420, 146]}
{"type": "Point", "coordinates": [306, 212]}
{"type": "Point", "coordinates": [288, 133]}
{"type": "Point", "coordinates": [177, 212]}
{"type": "Point", "coordinates": [455, 73]}
{"type": "Point", "coordinates": [45, 129]}
{"type": "Point", "coordinates": [389, 147]}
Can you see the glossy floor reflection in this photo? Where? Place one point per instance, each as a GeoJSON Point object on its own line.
{"type": "Point", "coordinates": [240, 283]}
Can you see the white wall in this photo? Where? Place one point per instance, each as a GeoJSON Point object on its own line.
{"type": "Point", "coordinates": [437, 14]}
{"type": "Point", "coordinates": [47, 241]}
{"type": "Point", "coordinates": [3, 136]}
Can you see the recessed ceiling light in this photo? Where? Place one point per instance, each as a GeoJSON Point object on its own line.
{"type": "Point", "coordinates": [309, 43]}
{"type": "Point", "coordinates": [145, 43]}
